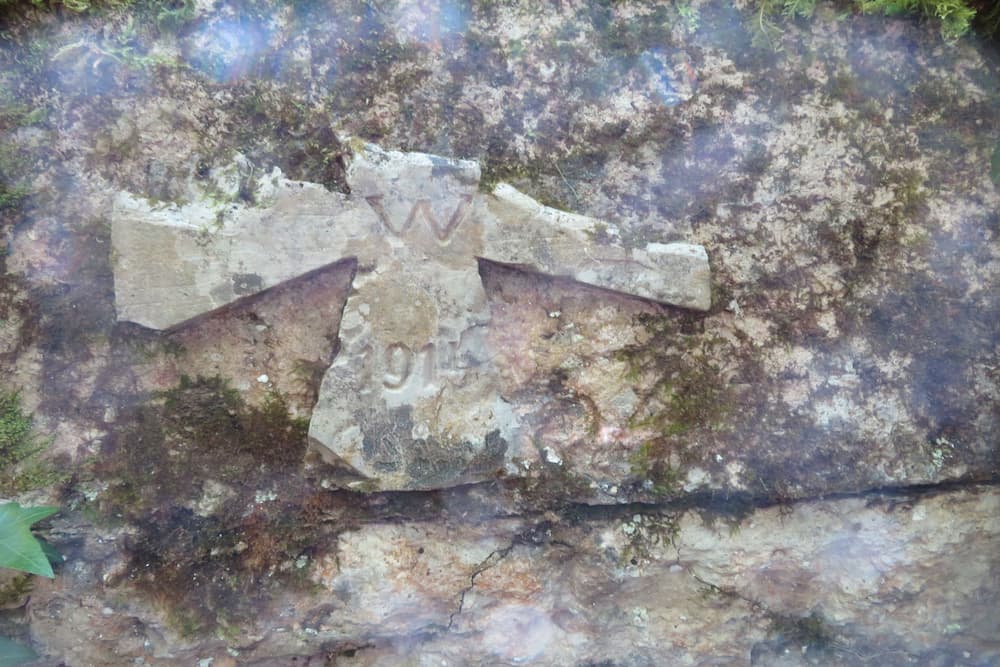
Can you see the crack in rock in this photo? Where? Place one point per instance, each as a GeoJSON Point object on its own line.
{"type": "Point", "coordinates": [538, 534]}
{"type": "Point", "coordinates": [487, 563]}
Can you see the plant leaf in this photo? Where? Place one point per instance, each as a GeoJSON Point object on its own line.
{"type": "Point", "coordinates": [35, 514]}
{"type": "Point", "coordinates": [14, 653]}
{"type": "Point", "coordinates": [55, 558]}
{"type": "Point", "coordinates": [19, 549]}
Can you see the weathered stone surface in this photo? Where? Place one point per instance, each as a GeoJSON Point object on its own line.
{"type": "Point", "coordinates": [172, 264]}
{"type": "Point", "coordinates": [837, 171]}
{"type": "Point", "coordinates": [652, 590]}
{"type": "Point", "coordinates": [411, 400]}
{"type": "Point", "coordinates": [887, 580]}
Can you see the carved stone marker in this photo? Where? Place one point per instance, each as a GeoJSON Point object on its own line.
{"type": "Point", "coordinates": [411, 400]}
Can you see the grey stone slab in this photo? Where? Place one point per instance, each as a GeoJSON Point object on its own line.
{"type": "Point", "coordinates": [519, 230]}
{"type": "Point", "coordinates": [172, 263]}
{"type": "Point", "coordinates": [411, 400]}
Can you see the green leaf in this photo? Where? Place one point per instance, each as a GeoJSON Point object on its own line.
{"type": "Point", "coordinates": [19, 549]}
{"type": "Point", "coordinates": [50, 552]}
{"type": "Point", "coordinates": [14, 653]}
{"type": "Point", "coordinates": [34, 514]}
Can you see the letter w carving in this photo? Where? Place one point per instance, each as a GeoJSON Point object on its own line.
{"type": "Point", "coordinates": [423, 207]}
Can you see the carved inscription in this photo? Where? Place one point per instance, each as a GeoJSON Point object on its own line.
{"type": "Point", "coordinates": [423, 209]}
{"type": "Point", "coordinates": [398, 361]}
{"type": "Point", "coordinates": [424, 366]}
{"type": "Point", "coordinates": [415, 367]}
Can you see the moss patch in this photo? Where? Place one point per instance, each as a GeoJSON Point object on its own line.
{"type": "Point", "coordinates": [222, 520]}
{"type": "Point", "coordinates": [955, 17]}
{"type": "Point", "coordinates": [280, 130]}
{"type": "Point", "coordinates": [14, 590]}
{"type": "Point", "coordinates": [803, 634]}
{"type": "Point", "coordinates": [13, 188]}
{"type": "Point", "coordinates": [651, 466]}
{"type": "Point", "coordinates": [645, 534]}
{"type": "Point", "coordinates": [22, 467]}
{"type": "Point", "coordinates": [682, 394]}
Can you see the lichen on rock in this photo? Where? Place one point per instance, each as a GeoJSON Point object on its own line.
{"type": "Point", "coordinates": [801, 470]}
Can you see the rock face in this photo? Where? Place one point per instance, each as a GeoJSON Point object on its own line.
{"type": "Point", "coordinates": [805, 473]}
{"type": "Point", "coordinates": [813, 582]}
{"type": "Point", "coordinates": [837, 582]}
{"type": "Point", "coordinates": [411, 400]}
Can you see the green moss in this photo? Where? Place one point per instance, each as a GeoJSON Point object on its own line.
{"type": "Point", "coordinates": [556, 486]}
{"type": "Point", "coordinates": [955, 16]}
{"type": "Point", "coordinates": [16, 112]}
{"type": "Point", "coordinates": [211, 488]}
{"type": "Point", "coordinates": [688, 391]}
{"type": "Point", "coordinates": [505, 169]}
{"type": "Point", "coordinates": [844, 86]}
{"type": "Point", "coordinates": [278, 129]}
{"type": "Point", "coordinates": [689, 15]}
{"type": "Point", "coordinates": [13, 187]}
{"type": "Point", "coordinates": [806, 633]}
{"type": "Point", "coordinates": [645, 533]}
{"type": "Point", "coordinates": [14, 590]}
{"type": "Point", "coordinates": [171, 14]}
{"type": "Point", "coordinates": [22, 467]}
{"type": "Point", "coordinates": [17, 311]}
{"type": "Point", "coordinates": [308, 374]}
{"type": "Point", "coordinates": [165, 14]}
{"type": "Point", "coordinates": [693, 398]}
{"type": "Point", "coordinates": [78, 6]}
{"type": "Point", "coordinates": [682, 395]}
{"type": "Point", "coordinates": [204, 426]}
{"type": "Point", "coordinates": [910, 195]}
{"type": "Point", "coordinates": [543, 179]}
{"type": "Point", "coordinates": [651, 466]}
{"type": "Point", "coordinates": [627, 37]}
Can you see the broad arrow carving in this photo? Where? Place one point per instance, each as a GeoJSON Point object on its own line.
{"type": "Point", "coordinates": [410, 401]}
